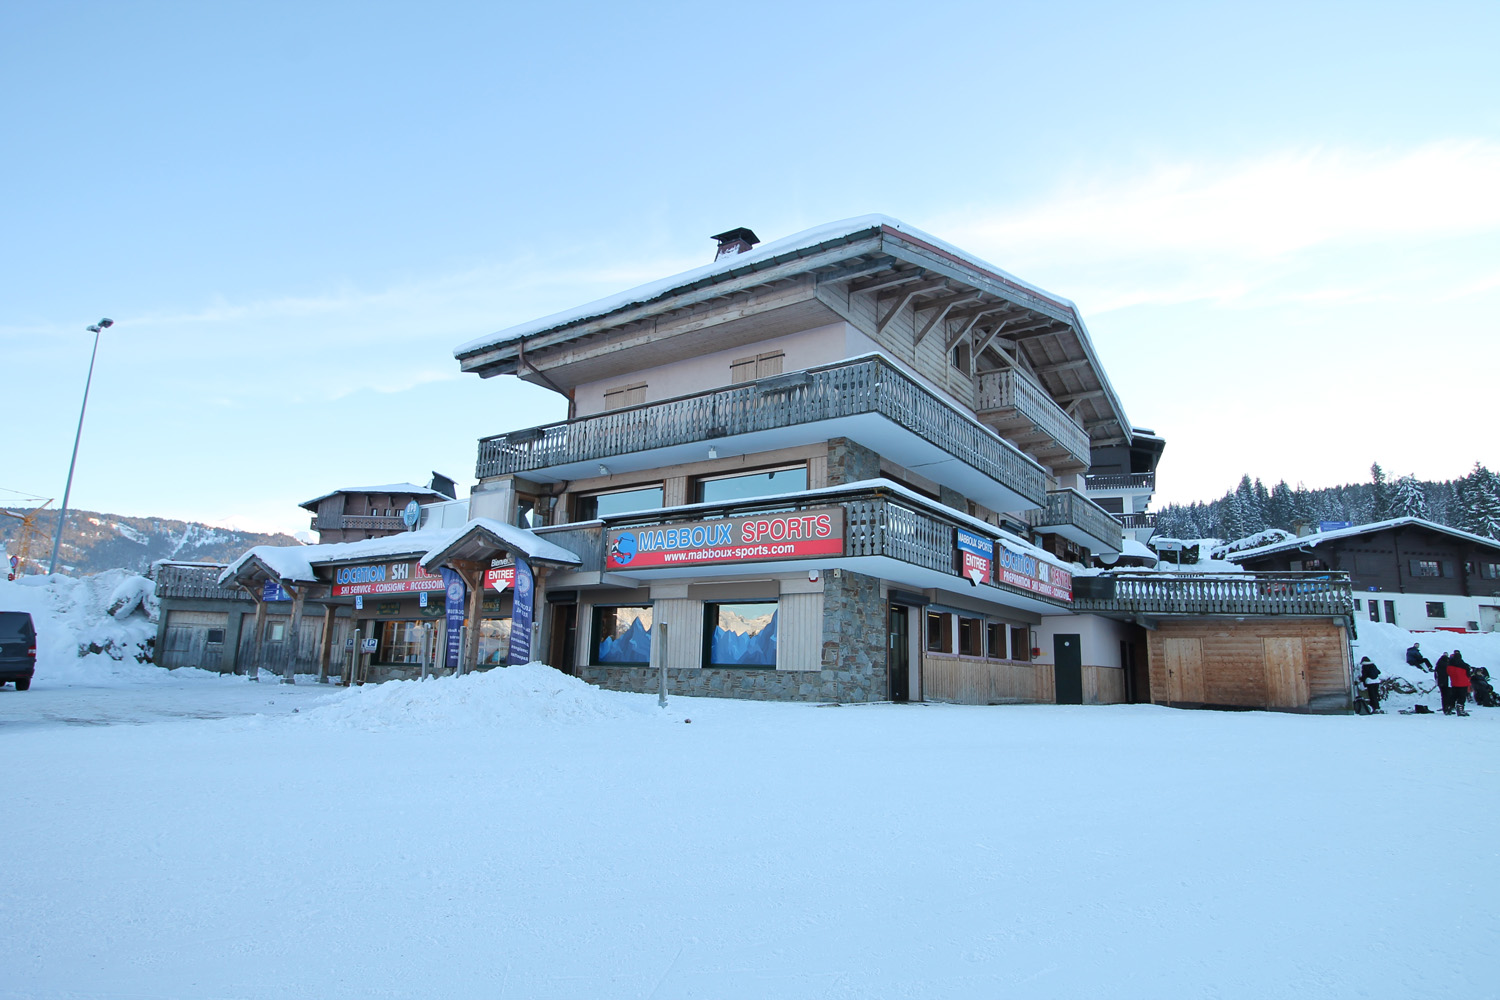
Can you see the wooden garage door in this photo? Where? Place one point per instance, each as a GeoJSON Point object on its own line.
{"type": "Point", "coordinates": [1184, 661]}
{"type": "Point", "coordinates": [1286, 673]}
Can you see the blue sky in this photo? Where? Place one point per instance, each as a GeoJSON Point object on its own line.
{"type": "Point", "coordinates": [1282, 223]}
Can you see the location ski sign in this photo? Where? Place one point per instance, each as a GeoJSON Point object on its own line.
{"type": "Point", "coordinates": [1030, 573]}
{"type": "Point", "coordinates": [384, 578]}
{"type": "Point", "coordinates": [976, 555]}
{"type": "Point", "coordinates": [802, 534]}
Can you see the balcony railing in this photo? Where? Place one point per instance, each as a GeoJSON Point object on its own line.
{"type": "Point", "coordinates": [1112, 482]}
{"type": "Point", "coordinates": [194, 580]}
{"type": "Point", "coordinates": [1216, 593]}
{"type": "Point", "coordinates": [1071, 509]}
{"type": "Point", "coordinates": [875, 524]}
{"type": "Point", "coordinates": [848, 389]}
{"type": "Point", "coordinates": [363, 522]}
{"type": "Point", "coordinates": [1140, 520]}
{"type": "Point", "coordinates": [1000, 392]}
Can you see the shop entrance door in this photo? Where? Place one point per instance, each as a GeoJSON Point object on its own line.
{"type": "Point", "coordinates": [898, 653]}
{"type": "Point", "coordinates": [562, 652]}
{"type": "Point", "coordinates": [1067, 660]}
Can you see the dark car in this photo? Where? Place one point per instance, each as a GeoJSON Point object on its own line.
{"type": "Point", "coordinates": [17, 648]}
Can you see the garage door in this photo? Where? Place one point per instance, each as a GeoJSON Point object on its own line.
{"type": "Point", "coordinates": [194, 639]}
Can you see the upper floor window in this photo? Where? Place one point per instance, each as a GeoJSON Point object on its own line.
{"type": "Point", "coordinates": [759, 366]}
{"type": "Point", "coordinates": [960, 358]}
{"type": "Point", "coordinates": [1490, 570]}
{"type": "Point", "coordinates": [593, 505]}
{"type": "Point", "coordinates": [625, 395]}
{"type": "Point", "coordinates": [745, 486]}
{"type": "Point", "coordinates": [1426, 567]}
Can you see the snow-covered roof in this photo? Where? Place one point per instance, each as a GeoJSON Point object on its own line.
{"type": "Point", "coordinates": [400, 488]}
{"type": "Point", "coordinates": [1318, 538]}
{"type": "Point", "coordinates": [296, 563]}
{"type": "Point", "coordinates": [519, 541]}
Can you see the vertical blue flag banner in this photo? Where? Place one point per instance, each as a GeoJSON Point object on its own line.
{"type": "Point", "coordinates": [520, 616]}
{"type": "Point", "coordinates": [454, 594]}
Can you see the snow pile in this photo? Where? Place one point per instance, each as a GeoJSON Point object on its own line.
{"type": "Point", "coordinates": [92, 629]}
{"type": "Point", "coordinates": [1271, 536]}
{"type": "Point", "coordinates": [505, 697]}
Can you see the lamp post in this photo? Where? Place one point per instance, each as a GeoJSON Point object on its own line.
{"type": "Point", "coordinates": [62, 514]}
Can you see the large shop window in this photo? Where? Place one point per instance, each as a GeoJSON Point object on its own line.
{"type": "Point", "coordinates": [622, 635]}
{"type": "Point", "coordinates": [768, 482]}
{"type": "Point", "coordinates": [494, 641]}
{"type": "Point", "coordinates": [739, 634]}
{"type": "Point", "coordinates": [587, 508]}
{"type": "Point", "coordinates": [400, 642]}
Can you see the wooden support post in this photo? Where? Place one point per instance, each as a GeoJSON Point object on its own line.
{"type": "Point", "coordinates": [258, 641]}
{"type": "Point", "coordinates": [473, 576]}
{"type": "Point", "coordinates": [325, 648]}
{"type": "Point", "coordinates": [294, 641]}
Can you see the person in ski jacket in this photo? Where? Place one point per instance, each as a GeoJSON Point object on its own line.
{"type": "Point", "coordinates": [1440, 674]}
{"type": "Point", "coordinates": [1415, 658]}
{"type": "Point", "coordinates": [1369, 676]}
{"type": "Point", "coordinates": [1458, 682]}
{"type": "Point", "coordinates": [1481, 688]}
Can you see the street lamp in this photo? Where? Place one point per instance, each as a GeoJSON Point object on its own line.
{"type": "Point", "coordinates": [62, 515]}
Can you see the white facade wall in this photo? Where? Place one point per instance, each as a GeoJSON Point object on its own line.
{"type": "Point", "coordinates": [1099, 638]}
{"type": "Point", "coordinates": [1411, 610]}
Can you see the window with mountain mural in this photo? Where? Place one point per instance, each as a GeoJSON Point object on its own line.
{"type": "Point", "coordinates": [740, 634]}
{"type": "Point", "coordinates": [622, 635]}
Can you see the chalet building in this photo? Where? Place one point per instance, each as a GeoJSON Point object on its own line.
{"type": "Point", "coordinates": [357, 513]}
{"type": "Point", "coordinates": [1409, 572]}
{"type": "Point", "coordinates": [851, 465]}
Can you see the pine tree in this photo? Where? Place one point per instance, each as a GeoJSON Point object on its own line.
{"type": "Point", "coordinates": [1408, 499]}
{"type": "Point", "coordinates": [1234, 518]}
{"type": "Point", "coordinates": [1282, 506]}
{"type": "Point", "coordinates": [1380, 494]}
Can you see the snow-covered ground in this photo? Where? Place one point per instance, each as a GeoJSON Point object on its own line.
{"type": "Point", "coordinates": [518, 833]}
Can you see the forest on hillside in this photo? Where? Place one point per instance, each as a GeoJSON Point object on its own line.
{"type": "Point", "coordinates": [1470, 503]}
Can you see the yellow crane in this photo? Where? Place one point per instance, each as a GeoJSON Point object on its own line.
{"type": "Point", "coordinates": [23, 540]}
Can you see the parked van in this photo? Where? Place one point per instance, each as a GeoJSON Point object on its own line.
{"type": "Point", "coordinates": [17, 648]}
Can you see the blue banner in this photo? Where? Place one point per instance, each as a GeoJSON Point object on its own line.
{"type": "Point", "coordinates": [968, 541]}
{"type": "Point", "coordinates": [520, 616]}
{"type": "Point", "coordinates": [273, 591]}
{"type": "Point", "coordinates": [455, 592]}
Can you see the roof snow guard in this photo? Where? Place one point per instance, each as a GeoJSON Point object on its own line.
{"type": "Point", "coordinates": [869, 254]}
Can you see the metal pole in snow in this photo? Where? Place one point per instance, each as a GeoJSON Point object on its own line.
{"type": "Point", "coordinates": [62, 514]}
{"type": "Point", "coordinates": [661, 667]}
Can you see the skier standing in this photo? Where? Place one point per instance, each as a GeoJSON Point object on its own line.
{"type": "Point", "coordinates": [1440, 674]}
{"type": "Point", "coordinates": [1458, 681]}
{"type": "Point", "coordinates": [1369, 676]}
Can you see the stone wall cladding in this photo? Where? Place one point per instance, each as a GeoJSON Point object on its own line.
{"type": "Point", "coordinates": [853, 658]}
{"type": "Point", "coordinates": [849, 462]}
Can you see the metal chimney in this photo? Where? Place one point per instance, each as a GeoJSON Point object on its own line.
{"type": "Point", "coordinates": [735, 241]}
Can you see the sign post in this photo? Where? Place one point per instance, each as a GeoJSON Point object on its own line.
{"type": "Point", "coordinates": [520, 615]}
{"type": "Point", "coordinates": [454, 617]}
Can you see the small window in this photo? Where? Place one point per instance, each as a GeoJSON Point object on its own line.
{"type": "Point", "coordinates": [960, 357]}
{"type": "Point", "coordinates": [1436, 609]}
{"type": "Point", "coordinates": [1426, 567]}
{"type": "Point", "coordinates": [625, 395]}
{"type": "Point", "coordinates": [1490, 570]}
{"type": "Point", "coordinates": [277, 632]}
{"type": "Point", "coordinates": [622, 635]}
{"type": "Point", "coordinates": [970, 630]}
{"type": "Point", "coordinates": [1358, 604]}
{"type": "Point", "coordinates": [939, 632]}
{"type": "Point", "coordinates": [739, 634]}
{"type": "Point", "coordinates": [587, 508]}
{"type": "Point", "coordinates": [753, 484]}
{"type": "Point", "coordinates": [1374, 611]}
{"type": "Point", "coordinates": [1020, 644]}
{"type": "Point", "coordinates": [1390, 612]}
{"type": "Point", "coordinates": [215, 635]}
{"type": "Point", "coordinates": [995, 641]}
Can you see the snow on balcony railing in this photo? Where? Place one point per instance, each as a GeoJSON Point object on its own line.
{"type": "Point", "coordinates": [193, 580]}
{"type": "Point", "coordinates": [868, 385]}
{"type": "Point", "coordinates": [1216, 593]}
{"type": "Point", "coordinates": [999, 391]}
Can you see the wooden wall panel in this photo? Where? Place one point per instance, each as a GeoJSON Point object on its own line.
{"type": "Point", "coordinates": [1103, 686]}
{"type": "Point", "coordinates": [799, 627]}
{"type": "Point", "coordinates": [983, 682]}
{"type": "Point", "coordinates": [1235, 661]}
{"type": "Point", "coordinates": [684, 620]}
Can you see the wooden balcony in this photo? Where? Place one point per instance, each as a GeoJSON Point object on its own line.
{"type": "Point", "coordinates": [359, 522]}
{"type": "Point", "coordinates": [1317, 594]}
{"type": "Point", "coordinates": [194, 580]}
{"type": "Point", "coordinates": [1077, 518]}
{"type": "Point", "coordinates": [1022, 411]}
{"type": "Point", "coordinates": [1140, 520]}
{"type": "Point", "coordinates": [1126, 482]}
{"type": "Point", "coordinates": [867, 400]}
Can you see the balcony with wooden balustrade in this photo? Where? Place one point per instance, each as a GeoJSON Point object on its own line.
{"type": "Point", "coordinates": [1128, 594]}
{"type": "Point", "coordinates": [1077, 518]}
{"type": "Point", "coordinates": [1021, 410]}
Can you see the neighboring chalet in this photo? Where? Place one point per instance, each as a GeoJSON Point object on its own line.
{"type": "Point", "coordinates": [1409, 572]}
{"type": "Point", "coordinates": [360, 512]}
